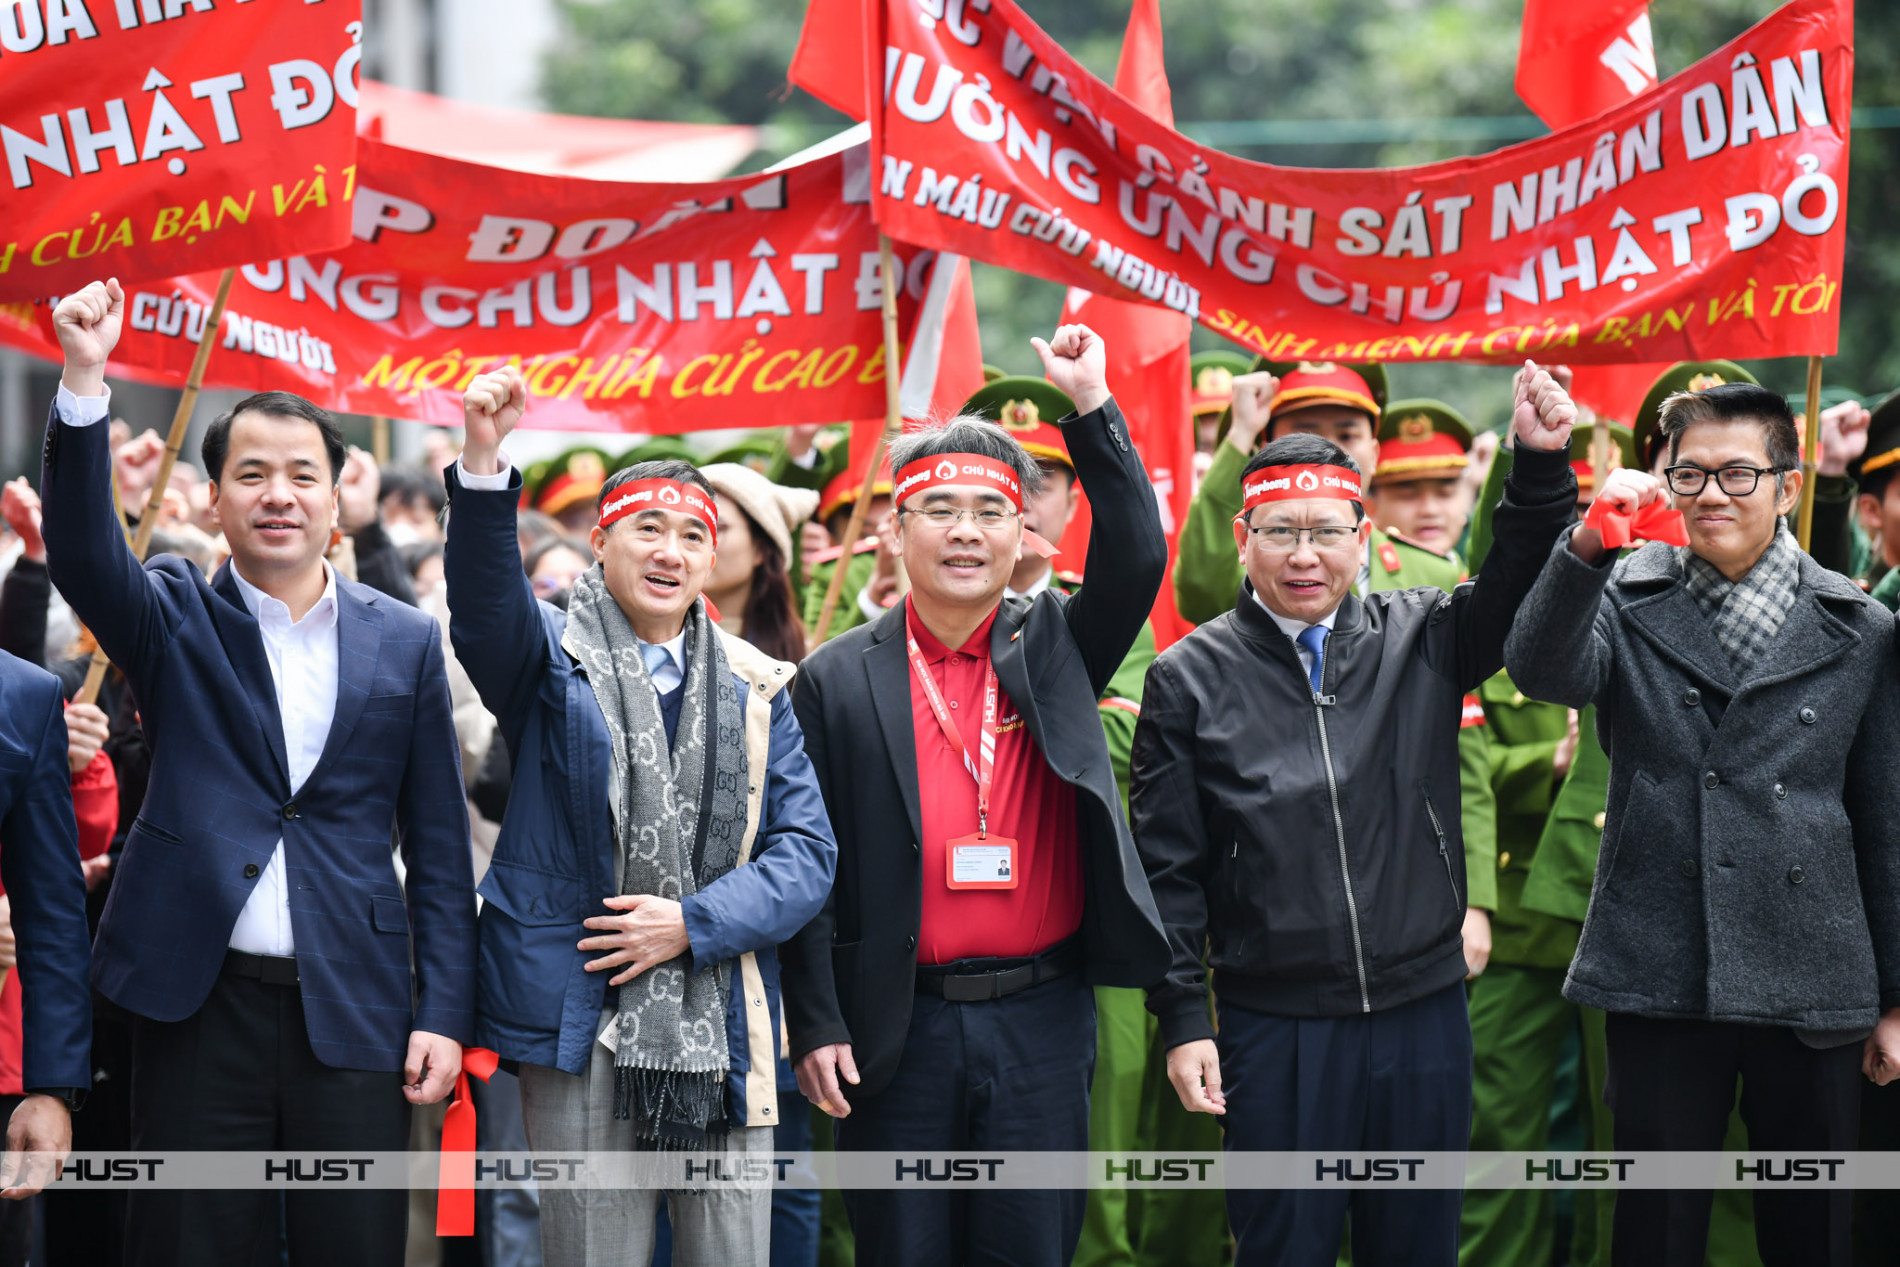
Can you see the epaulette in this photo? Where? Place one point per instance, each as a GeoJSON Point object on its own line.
{"type": "Point", "coordinates": [1473, 714]}
{"type": "Point", "coordinates": [1404, 540]}
{"type": "Point", "coordinates": [830, 554]}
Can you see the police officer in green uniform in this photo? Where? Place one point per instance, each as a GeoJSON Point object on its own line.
{"type": "Point", "coordinates": [834, 511]}
{"type": "Point", "coordinates": [566, 486]}
{"type": "Point", "coordinates": [1211, 376]}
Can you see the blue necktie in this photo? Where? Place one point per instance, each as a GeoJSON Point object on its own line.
{"type": "Point", "coordinates": [660, 667]}
{"type": "Point", "coordinates": [1313, 638]}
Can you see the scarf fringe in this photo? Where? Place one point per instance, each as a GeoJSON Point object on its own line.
{"type": "Point", "coordinates": [675, 1111]}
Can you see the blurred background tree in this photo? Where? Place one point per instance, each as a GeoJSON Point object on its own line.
{"type": "Point", "coordinates": [1407, 62]}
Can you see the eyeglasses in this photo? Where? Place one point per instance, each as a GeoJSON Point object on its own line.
{"type": "Point", "coordinates": [1688, 479]}
{"type": "Point", "coordinates": [987, 518]}
{"type": "Point", "coordinates": [1283, 540]}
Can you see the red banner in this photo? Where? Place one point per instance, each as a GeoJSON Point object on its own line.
{"type": "Point", "coordinates": [745, 302]}
{"type": "Point", "coordinates": [1705, 217]}
{"type": "Point", "coordinates": [144, 138]}
{"type": "Point", "coordinates": [1574, 60]}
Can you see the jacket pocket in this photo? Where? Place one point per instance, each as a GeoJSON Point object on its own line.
{"type": "Point", "coordinates": [146, 827]}
{"type": "Point", "coordinates": [530, 923]}
{"type": "Point", "coordinates": [1444, 848]}
{"type": "Point", "coordinates": [389, 915]}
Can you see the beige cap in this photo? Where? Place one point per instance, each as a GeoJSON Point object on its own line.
{"type": "Point", "coordinates": [778, 510]}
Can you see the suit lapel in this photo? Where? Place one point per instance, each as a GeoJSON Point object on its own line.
{"type": "Point", "coordinates": [887, 668]}
{"type": "Point", "coordinates": [244, 647]}
{"type": "Point", "coordinates": [1810, 638]}
{"type": "Point", "coordinates": [359, 639]}
{"type": "Point", "coordinates": [1672, 623]}
{"type": "Point", "coordinates": [1012, 669]}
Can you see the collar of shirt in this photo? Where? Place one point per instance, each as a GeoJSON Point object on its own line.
{"type": "Point", "coordinates": [977, 647]}
{"type": "Point", "coordinates": [1036, 587]}
{"type": "Point", "coordinates": [264, 607]}
{"type": "Point", "coordinates": [674, 647]}
{"type": "Point", "coordinates": [1294, 628]}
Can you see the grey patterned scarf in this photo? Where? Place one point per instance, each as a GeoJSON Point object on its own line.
{"type": "Point", "coordinates": [678, 822]}
{"type": "Point", "coordinates": [1746, 615]}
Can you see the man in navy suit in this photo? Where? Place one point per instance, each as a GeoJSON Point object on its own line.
{"type": "Point", "coordinates": [258, 929]}
{"type": "Point", "coordinates": [39, 862]}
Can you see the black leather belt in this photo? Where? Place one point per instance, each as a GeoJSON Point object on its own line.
{"type": "Point", "coordinates": [976, 980]}
{"type": "Point", "coordinates": [270, 969]}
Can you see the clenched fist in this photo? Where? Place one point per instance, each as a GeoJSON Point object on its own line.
{"type": "Point", "coordinates": [1076, 360]}
{"type": "Point", "coordinates": [1544, 413]}
{"type": "Point", "coordinates": [491, 408]}
{"type": "Point", "coordinates": [88, 322]}
{"type": "Point", "coordinates": [1253, 396]}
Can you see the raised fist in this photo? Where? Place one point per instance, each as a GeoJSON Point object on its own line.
{"type": "Point", "coordinates": [1253, 395]}
{"type": "Point", "coordinates": [1544, 413]}
{"type": "Point", "coordinates": [20, 506]}
{"type": "Point", "coordinates": [491, 408]}
{"type": "Point", "coordinates": [1076, 361]}
{"type": "Point", "coordinates": [358, 491]}
{"type": "Point", "coordinates": [88, 322]}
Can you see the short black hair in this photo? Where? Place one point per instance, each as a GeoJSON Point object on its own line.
{"type": "Point", "coordinates": [412, 484]}
{"type": "Point", "coordinates": [217, 439]}
{"type": "Point", "coordinates": [659, 469]}
{"type": "Point", "coordinates": [1303, 449]}
{"type": "Point", "coordinates": [1735, 402]}
{"type": "Point", "coordinates": [545, 548]}
{"type": "Point", "coordinates": [967, 433]}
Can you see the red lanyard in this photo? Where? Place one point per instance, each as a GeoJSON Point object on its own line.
{"type": "Point", "coordinates": [985, 772]}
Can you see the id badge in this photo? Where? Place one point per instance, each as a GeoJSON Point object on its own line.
{"type": "Point", "coordinates": [980, 862]}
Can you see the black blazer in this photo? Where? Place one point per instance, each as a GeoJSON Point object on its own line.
{"type": "Point", "coordinates": [850, 973]}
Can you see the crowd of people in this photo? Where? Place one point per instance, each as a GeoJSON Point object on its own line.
{"type": "Point", "coordinates": [1451, 826]}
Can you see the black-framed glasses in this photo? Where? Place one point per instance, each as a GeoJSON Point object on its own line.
{"type": "Point", "coordinates": [1687, 479]}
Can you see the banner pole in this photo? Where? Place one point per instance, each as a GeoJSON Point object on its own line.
{"type": "Point", "coordinates": [181, 421]}
{"type": "Point", "coordinates": [893, 426]}
{"type": "Point", "coordinates": [379, 439]}
{"type": "Point", "coordinates": [1810, 454]}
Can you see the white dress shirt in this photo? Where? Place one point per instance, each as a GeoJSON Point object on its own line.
{"type": "Point", "coordinates": [303, 667]}
{"type": "Point", "coordinates": [669, 675]}
{"type": "Point", "coordinates": [1294, 628]}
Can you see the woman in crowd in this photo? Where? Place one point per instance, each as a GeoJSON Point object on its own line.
{"type": "Point", "coordinates": [751, 582]}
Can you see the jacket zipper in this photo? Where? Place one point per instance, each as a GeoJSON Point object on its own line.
{"type": "Point", "coordinates": [1339, 837]}
{"type": "Point", "coordinates": [1444, 853]}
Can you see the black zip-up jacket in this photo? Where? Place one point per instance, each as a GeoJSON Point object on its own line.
{"type": "Point", "coordinates": [1309, 841]}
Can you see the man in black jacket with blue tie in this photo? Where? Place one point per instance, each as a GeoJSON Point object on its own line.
{"type": "Point", "coordinates": [258, 929]}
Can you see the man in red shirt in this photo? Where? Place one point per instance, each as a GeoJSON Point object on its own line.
{"type": "Point", "coordinates": [986, 877]}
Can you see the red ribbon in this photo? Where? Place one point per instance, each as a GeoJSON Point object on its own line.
{"type": "Point", "coordinates": [1654, 522]}
{"type": "Point", "coordinates": [455, 1177]}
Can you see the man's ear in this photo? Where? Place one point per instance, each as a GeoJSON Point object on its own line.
{"type": "Point", "coordinates": [1240, 536]}
{"type": "Point", "coordinates": [1790, 492]}
{"type": "Point", "coordinates": [1871, 513]}
{"type": "Point", "coordinates": [598, 539]}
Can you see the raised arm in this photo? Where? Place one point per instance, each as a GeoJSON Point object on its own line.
{"type": "Point", "coordinates": [1128, 554]}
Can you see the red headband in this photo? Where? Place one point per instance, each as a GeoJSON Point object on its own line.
{"type": "Point", "coordinates": [957, 468]}
{"type": "Point", "coordinates": [661, 494]}
{"type": "Point", "coordinates": [1297, 483]}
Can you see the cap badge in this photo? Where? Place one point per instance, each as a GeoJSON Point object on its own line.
{"type": "Point", "coordinates": [1702, 382]}
{"type": "Point", "coordinates": [1414, 428]}
{"type": "Point", "coordinates": [1021, 415]}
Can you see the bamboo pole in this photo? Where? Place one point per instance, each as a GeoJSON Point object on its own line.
{"type": "Point", "coordinates": [181, 421]}
{"type": "Point", "coordinates": [379, 439]}
{"type": "Point", "coordinates": [1810, 454]}
{"type": "Point", "coordinates": [893, 426]}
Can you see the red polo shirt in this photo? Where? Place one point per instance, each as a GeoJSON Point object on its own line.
{"type": "Point", "coordinates": [1028, 803]}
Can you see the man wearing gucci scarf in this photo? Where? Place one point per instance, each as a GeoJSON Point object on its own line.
{"type": "Point", "coordinates": [664, 833]}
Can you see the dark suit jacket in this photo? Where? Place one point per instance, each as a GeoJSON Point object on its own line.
{"type": "Point", "coordinates": [219, 796]}
{"type": "Point", "coordinates": [850, 973]}
{"type": "Point", "coordinates": [39, 862]}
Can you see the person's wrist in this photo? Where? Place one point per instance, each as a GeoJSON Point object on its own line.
{"type": "Point", "coordinates": [1091, 397]}
{"type": "Point", "coordinates": [1244, 442]}
{"type": "Point", "coordinates": [481, 459]}
{"type": "Point", "coordinates": [84, 380]}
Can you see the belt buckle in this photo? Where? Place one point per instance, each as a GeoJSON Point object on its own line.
{"type": "Point", "coordinates": [974, 988]}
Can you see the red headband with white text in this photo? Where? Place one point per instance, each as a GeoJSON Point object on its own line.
{"type": "Point", "coordinates": [661, 494]}
{"type": "Point", "coordinates": [957, 468]}
{"type": "Point", "coordinates": [1297, 483]}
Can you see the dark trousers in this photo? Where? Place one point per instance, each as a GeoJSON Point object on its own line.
{"type": "Point", "coordinates": [1671, 1087]}
{"type": "Point", "coordinates": [1370, 1082]}
{"type": "Point", "coordinates": [240, 1075]}
{"type": "Point", "coordinates": [1005, 1074]}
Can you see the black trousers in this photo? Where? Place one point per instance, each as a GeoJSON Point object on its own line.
{"type": "Point", "coordinates": [1671, 1085]}
{"type": "Point", "coordinates": [240, 1075]}
{"type": "Point", "coordinates": [1006, 1074]}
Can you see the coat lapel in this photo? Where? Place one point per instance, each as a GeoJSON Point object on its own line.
{"type": "Point", "coordinates": [887, 667]}
{"type": "Point", "coordinates": [244, 647]}
{"type": "Point", "coordinates": [1012, 669]}
{"type": "Point", "coordinates": [359, 638]}
{"type": "Point", "coordinates": [1811, 637]}
{"type": "Point", "coordinates": [1669, 620]}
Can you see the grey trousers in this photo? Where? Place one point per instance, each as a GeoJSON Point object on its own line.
{"type": "Point", "coordinates": [729, 1227]}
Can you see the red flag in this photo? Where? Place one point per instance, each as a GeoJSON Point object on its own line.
{"type": "Point", "coordinates": [1147, 346]}
{"type": "Point", "coordinates": [829, 60]}
{"type": "Point", "coordinates": [1575, 60]}
{"type": "Point", "coordinates": [1614, 391]}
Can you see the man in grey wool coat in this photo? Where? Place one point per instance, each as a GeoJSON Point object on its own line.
{"type": "Point", "coordinates": [1745, 921]}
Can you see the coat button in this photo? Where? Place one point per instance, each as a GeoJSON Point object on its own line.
{"type": "Point", "coordinates": [250, 871]}
{"type": "Point", "coordinates": [1517, 699]}
{"type": "Point", "coordinates": [1781, 791]}
{"type": "Point", "coordinates": [1504, 859]}
{"type": "Point", "coordinates": [1807, 716]}
{"type": "Point", "coordinates": [1598, 820]}
{"type": "Point", "coordinates": [1711, 780]}
{"type": "Point", "coordinates": [1688, 867]}
{"type": "Point", "coordinates": [910, 943]}
{"type": "Point", "coordinates": [1692, 697]}
{"type": "Point", "coordinates": [290, 809]}
{"type": "Point", "coordinates": [1796, 875]}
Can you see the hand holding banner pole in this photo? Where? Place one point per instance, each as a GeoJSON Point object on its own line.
{"type": "Point", "coordinates": [1810, 454]}
{"type": "Point", "coordinates": [893, 425]}
{"type": "Point", "coordinates": [181, 420]}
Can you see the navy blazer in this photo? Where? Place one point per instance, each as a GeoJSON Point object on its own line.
{"type": "Point", "coordinates": [219, 796]}
{"type": "Point", "coordinates": [39, 862]}
{"type": "Point", "coordinates": [554, 860]}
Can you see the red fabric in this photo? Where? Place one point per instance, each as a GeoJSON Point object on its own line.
{"type": "Point", "coordinates": [1614, 391]}
{"type": "Point", "coordinates": [1028, 804]}
{"type": "Point", "coordinates": [829, 60]}
{"type": "Point", "coordinates": [455, 1174]}
{"type": "Point", "coordinates": [96, 805]}
{"type": "Point", "coordinates": [1566, 55]}
{"type": "Point", "coordinates": [1148, 368]}
{"type": "Point", "coordinates": [1654, 522]}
